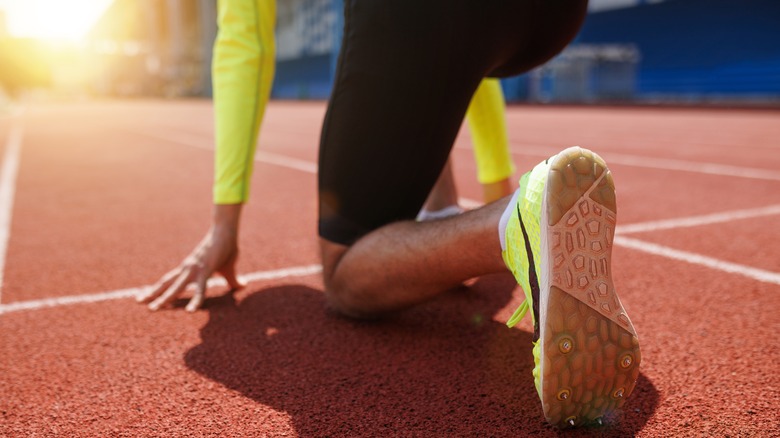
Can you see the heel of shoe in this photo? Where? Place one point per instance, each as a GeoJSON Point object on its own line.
{"type": "Point", "coordinates": [590, 348]}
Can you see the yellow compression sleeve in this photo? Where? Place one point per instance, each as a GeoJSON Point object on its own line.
{"type": "Point", "coordinates": [487, 124]}
{"type": "Point", "coordinates": [243, 72]}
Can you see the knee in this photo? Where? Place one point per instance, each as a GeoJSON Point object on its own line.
{"type": "Point", "coordinates": [348, 302]}
{"type": "Point", "coordinates": [343, 292]}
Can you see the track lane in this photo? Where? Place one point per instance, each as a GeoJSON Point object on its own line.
{"type": "Point", "coordinates": [270, 360]}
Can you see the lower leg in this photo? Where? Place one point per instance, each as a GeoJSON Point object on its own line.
{"type": "Point", "coordinates": [406, 263]}
{"type": "Point", "coordinates": [496, 190]}
{"type": "Point", "coordinates": [444, 194]}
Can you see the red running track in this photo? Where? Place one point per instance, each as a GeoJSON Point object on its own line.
{"type": "Point", "coordinates": [103, 197]}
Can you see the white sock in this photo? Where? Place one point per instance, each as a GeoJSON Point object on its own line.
{"type": "Point", "coordinates": [505, 219]}
{"type": "Point", "coordinates": [452, 210]}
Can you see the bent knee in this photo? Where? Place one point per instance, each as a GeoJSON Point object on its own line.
{"type": "Point", "coordinates": [350, 303]}
{"type": "Point", "coordinates": [342, 295]}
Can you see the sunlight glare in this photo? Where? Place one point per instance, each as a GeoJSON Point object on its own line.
{"type": "Point", "coordinates": [68, 20]}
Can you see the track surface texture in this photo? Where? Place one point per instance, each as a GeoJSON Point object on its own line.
{"type": "Point", "coordinates": [98, 199]}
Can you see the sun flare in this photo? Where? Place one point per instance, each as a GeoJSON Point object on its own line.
{"type": "Point", "coordinates": [54, 20]}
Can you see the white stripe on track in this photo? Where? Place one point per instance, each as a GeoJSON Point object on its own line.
{"type": "Point", "coordinates": [187, 139]}
{"type": "Point", "coordinates": [285, 161]}
{"type": "Point", "coordinates": [698, 259]}
{"type": "Point", "coordinates": [693, 166]}
{"type": "Point", "coordinates": [7, 190]}
{"type": "Point", "coordinates": [660, 163]}
{"type": "Point", "coordinates": [625, 159]}
{"type": "Point", "coordinates": [298, 271]}
{"type": "Point", "coordinates": [197, 141]}
{"type": "Point", "coordinates": [693, 221]}
{"type": "Point", "coordinates": [617, 158]}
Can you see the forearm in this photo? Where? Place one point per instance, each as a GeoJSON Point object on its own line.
{"type": "Point", "coordinates": [243, 70]}
{"type": "Point", "coordinates": [487, 125]}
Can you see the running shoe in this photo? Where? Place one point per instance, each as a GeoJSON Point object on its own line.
{"type": "Point", "coordinates": [558, 245]}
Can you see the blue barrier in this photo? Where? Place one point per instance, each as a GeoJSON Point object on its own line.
{"type": "Point", "coordinates": [688, 49]}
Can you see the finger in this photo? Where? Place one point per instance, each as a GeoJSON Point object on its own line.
{"type": "Point", "coordinates": [229, 272]}
{"type": "Point", "coordinates": [200, 294]}
{"type": "Point", "coordinates": [159, 287]}
{"type": "Point", "coordinates": [174, 290]}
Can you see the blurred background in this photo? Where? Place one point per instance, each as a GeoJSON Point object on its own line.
{"type": "Point", "coordinates": [629, 51]}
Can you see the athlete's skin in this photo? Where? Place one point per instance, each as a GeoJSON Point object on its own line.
{"type": "Point", "coordinates": [243, 70]}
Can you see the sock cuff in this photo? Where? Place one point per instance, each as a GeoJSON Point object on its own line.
{"type": "Point", "coordinates": [502, 224]}
{"type": "Point", "coordinates": [426, 215]}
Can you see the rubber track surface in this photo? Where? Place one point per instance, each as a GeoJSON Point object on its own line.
{"type": "Point", "coordinates": [111, 194]}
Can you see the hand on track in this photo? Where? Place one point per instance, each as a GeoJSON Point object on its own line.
{"type": "Point", "coordinates": [217, 252]}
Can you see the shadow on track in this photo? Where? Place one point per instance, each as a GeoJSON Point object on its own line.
{"type": "Point", "coordinates": [443, 368]}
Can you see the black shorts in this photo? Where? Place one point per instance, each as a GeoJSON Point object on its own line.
{"type": "Point", "coordinates": [406, 73]}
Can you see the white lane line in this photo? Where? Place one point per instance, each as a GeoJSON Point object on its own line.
{"type": "Point", "coordinates": [187, 139]}
{"type": "Point", "coordinates": [298, 271]}
{"type": "Point", "coordinates": [197, 141]}
{"type": "Point", "coordinates": [659, 163]}
{"type": "Point", "coordinates": [693, 166]}
{"type": "Point", "coordinates": [285, 161]}
{"type": "Point", "coordinates": [183, 138]}
{"type": "Point", "coordinates": [698, 259]}
{"type": "Point", "coordinates": [524, 149]}
{"type": "Point", "coordinates": [7, 190]}
{"type": "Point", "coordinates": [693, 221]}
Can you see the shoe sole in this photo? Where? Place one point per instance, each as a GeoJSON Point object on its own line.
{"type": "Point", "coordinates": [590, 350]}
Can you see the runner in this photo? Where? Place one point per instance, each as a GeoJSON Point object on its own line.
{"type": "Point", "coordinates": [380, 155]}
{"type": "Point", "coordinates": [379, 160]}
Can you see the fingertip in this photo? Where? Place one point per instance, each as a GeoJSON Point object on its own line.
{"type": "Point", "coordinates": [193, 305]}
{"type": "Point", "coordinates": [235, 283]}
{"type": "Point", "coordinates": [144, 296]}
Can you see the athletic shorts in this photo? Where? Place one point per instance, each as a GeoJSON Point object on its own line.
{"type": "Point", "coordinates": [406, 73]}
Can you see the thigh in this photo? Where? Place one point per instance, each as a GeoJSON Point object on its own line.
{"type": "Point", "coordinates": [406, 73]}
{"type": "Point", "coordinates": [395, 110]}
{"type": "Point", "coordinates": [553, 25]}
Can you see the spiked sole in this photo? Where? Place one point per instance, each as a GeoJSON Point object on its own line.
{"type": "Point", "coordinates": [590, 350]}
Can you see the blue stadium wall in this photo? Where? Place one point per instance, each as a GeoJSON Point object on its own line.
{"type": "Point", "coordinates": [698, 48]}
{"type": "Point", "coordinates": [308, 40]}
{"type": "Point", "coordinates": [693, 50]}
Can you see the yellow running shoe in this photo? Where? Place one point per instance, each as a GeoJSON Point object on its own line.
{"type": "Point", "coordinates": [558, 245]}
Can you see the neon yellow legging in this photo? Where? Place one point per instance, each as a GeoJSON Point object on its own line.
{"type": "Point", "coordinates": [487, 124]}
{"type": "Point", "coordinates": [243, 72]}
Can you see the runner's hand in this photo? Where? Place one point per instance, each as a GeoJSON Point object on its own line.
{"type": "Point", "coordinates": [217, 252]}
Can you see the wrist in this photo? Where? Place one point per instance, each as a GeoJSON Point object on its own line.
{"type": "Point", "coordinates": [225, 217]}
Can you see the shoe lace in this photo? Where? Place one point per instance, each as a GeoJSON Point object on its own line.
{"type": "Point", "coordinates": [518, 315]}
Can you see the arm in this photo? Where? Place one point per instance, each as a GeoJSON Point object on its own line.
{"type": "Point", "coordinates": [487, 125]}
{"type": "Point", "coordinates": [243, 70]}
